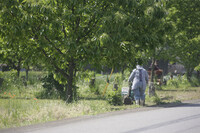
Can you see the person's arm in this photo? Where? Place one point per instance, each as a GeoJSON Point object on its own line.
{"type": "Point", "coordinates": [132, 76]}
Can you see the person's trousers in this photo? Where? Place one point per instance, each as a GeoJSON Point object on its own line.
{"type": "Point", "coordinates": [139, 93]}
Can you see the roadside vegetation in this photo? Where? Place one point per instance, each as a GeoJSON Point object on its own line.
{"type": "Point", "coordinates": [24, 104]}
{"type": "Point", "coordinates": [54, 42]}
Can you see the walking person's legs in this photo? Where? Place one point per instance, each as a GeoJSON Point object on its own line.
{"type": "Point", "coordinates": [136, 96]}
{"type": "Point", "coordinates": [142, 96]}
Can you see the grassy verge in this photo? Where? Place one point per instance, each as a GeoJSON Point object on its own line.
{"type": "Point", "coordinates": [19, 105]}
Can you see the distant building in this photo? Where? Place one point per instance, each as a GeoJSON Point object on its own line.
{"type": "Point", "coordinates": [176, 69]}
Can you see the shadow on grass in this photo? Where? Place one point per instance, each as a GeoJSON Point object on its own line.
{"type": "Point", "coordinates": [175, 104]}
{"type": "Point", "coordinates": [173, 90]}
{"type": "Point", "coordinates": [4, 97]}
{"type": "Point", "coordinates": [115, 109]}
{"type": "Point", "coordinates": [92, 98]}
{"type": "Point", "coordinates": [167, 98]}
{"type": "Point", "coordinates": [7, 97]}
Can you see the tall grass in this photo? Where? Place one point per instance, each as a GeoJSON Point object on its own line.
{"type": "Point", "coordinates": [19, 105]}
{"type": "Point", "coordinates": [19, 112]}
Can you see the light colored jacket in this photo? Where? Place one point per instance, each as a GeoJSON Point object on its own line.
{"type": "Point", "coordinates": [139, 77]}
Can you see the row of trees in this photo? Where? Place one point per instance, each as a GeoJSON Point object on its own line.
{"type": "Point", "coordinates": [65, 36]}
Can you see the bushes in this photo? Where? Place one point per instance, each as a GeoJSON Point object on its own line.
{"type": "Point", "coordinates": [154, 99]}
{"type": "Point", "coordinates": [95, 88]}
{"type": "Point", "coordinates": [182, 82]}
{"type": "Point", "coordinates": [88, 78]}
{"type": "Point", "coordinates": [52, 88]}
{"type": "Point", "coordinates": [115, 97]}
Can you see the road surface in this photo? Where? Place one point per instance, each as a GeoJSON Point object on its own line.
{"type": "Point", "coordinates": [184, 118]}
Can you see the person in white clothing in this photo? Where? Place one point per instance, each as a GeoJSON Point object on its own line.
{"type": "Point", "coordinates": [139, 78]}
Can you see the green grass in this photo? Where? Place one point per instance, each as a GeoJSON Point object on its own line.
{"type": "Point", "coordinates": [178, 89]}
{"type": "Point", "coordinates": [19, 105]}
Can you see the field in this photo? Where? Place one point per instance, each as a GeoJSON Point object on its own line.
{"type": "Point", "coordinates": [22, 104]}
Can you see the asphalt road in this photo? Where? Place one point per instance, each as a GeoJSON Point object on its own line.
{"type": "Point", "coordinates": [184, 118]}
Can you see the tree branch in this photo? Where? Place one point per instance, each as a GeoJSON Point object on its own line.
{"type": "Point", "coordinates": [63, 29]}
{"type": "Point", "coordinates": [54, 45]}
{"type": "Point", "coordinates": [61, 71]}
{"type": "Point", "coordinates": [160, 51]}
{"type": "Point", "coordinates": [86, 31]}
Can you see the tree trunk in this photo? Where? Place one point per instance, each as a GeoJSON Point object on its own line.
{"type": "Point", "coordinates": [189, 74]}
{"type": "Point", "coordinates": [198, 75]}
{"type": "Point", "coordinates": [71, 92]}
{"type": "Point", "coordinates": [18, 68]}
{"type": "Point", "coordinates": [18, 71]}
{"type": "Point", "coordinates": [151, 84]}
{"type": "Point", "coordinates": [1, 81]}
{"type": "Point", "coordinates": [27, 70]}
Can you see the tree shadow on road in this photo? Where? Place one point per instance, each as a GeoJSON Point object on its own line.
{"type": "Point", "coordinates": [178, 104]}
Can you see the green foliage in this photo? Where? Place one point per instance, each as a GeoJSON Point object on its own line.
{"type": "Point", "coordinates": [94, 88]}
{"type": "Point", "coordinates": [11, 79]}
{"type": "Point", "coordinates": [172, 82]}
{"type": "Point", "coordinates": [114, 97]}
{"type": "Point", "coordinates": [24, 109]}
{"type": "Point", "coordinates": [52, 88]}
{"type": "Point", "coordinates": [89, 78]}
{"type": "Point", "coordinates": [197, 68]}
{"type": "Point", "coordinates": [58, 32]}
{"type": "Point", "coordinates": [34, 77]}
{"type": "Point", "coordinates": [118, 78]}
{"type": "Point", "coordinates": [185, 17]}
{"type": "Point", "coordinates": [86, 90]}
{"type": "Point", "coordinates": [155, 99]}
{"type": "Point", "coordinates": [67, 36]}
{"type": "Point", "coordinates": [181, 82]}
{"type": "Point", "coordinates": [13, 86]}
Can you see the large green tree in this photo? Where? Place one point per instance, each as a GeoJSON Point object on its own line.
{"type": "Point", "coordinates": [60, 32]}
{"type": "Point", "coordinates": [134, 29]}
{"type": "Point", "coordinates": [185, 15]}
{"type": "Point", "coordinates": [15, 48]}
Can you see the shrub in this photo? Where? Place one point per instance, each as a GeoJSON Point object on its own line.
{"type": "Point", "coordinates": [181, 82]}
{"type": "Point", "coordinates": [52, 88]}
{"type": "Point", "coordinates": [195, 82]}
{"type": "Point", "coordinates": [114, 98]}
{"type": "Point", "coordinates": [155, 99]}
